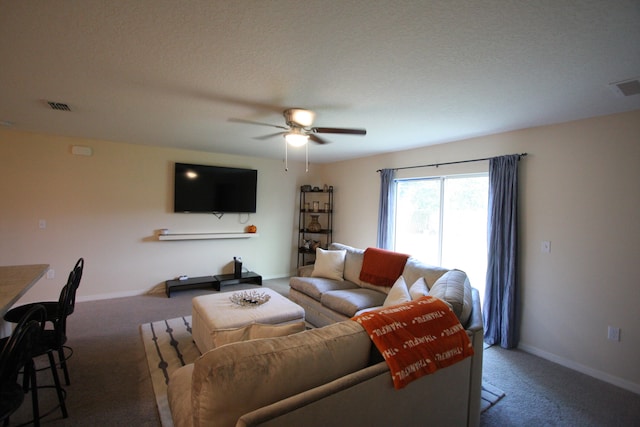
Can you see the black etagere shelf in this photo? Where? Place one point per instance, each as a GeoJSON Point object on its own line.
{"type": "Point", "coordinates": [315, 222]}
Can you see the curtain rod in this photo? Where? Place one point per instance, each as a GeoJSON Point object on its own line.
{"type": "Point", "coordinates": [451, 163]}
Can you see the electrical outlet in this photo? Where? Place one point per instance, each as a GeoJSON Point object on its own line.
{"type": "Point", "coordinates": [51, 274]}
{"type": "Point", "coordinates": [613, 333]}
{"type": "Point", "coordinates": [42, 224]}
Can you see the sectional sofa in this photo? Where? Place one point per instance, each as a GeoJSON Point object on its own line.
{"type": "Point", "coordinates": [330, 375]}
{"type": "Point", "coordinates": [332, 294]}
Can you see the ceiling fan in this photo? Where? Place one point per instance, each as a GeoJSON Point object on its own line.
{"type": "Point", "coordinates": [299, 130]}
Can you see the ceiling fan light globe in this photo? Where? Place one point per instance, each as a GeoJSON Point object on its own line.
{"type": "Point", "coordinates": [296, 139]}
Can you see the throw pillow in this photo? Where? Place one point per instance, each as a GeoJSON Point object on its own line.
{"type": "Point", "coordinates": [329, 264]}
{"type": "Point", "coordinates": [398, 294]}
{"type": "Point", "coordinates": [419, 289]}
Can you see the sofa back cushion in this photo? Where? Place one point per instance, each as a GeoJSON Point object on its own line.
{"type": "Point", "coordinates": [352, 261]}
{"type": "Point", "coordinates": [353, 266]}
{"type": "Point", "coordinates": [414, 269]}
{"type": "Point", "coordinates": [238, 378]}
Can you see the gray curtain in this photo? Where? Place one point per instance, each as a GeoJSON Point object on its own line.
{"type": "Point", "coordinates": [386, 209]}
{"type": "Point", "coordinates": [499, 308]}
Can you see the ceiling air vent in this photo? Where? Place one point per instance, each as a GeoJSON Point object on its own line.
{"type": "Point", "coordinates": [626, 87]}
{"type": "Point", "coordinates": [58, 106]}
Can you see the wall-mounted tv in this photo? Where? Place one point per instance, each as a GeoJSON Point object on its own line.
{"type": "Point", "coordinates": [214, 189]}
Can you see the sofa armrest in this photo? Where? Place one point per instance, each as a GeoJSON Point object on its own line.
{"type": "Point", "coordinates": [475, 322]}
{"type": "Point", "coordinates": [305, 271]}
{"type": "Point", "coordinates": [272, 412]}
{"type": "Point", "coordinates": [475, 330]}
{"type": "Point", "coordinates": [367, 397]}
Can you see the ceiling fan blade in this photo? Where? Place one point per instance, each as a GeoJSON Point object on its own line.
{"type": "Point", "coordinates": [317, 139]}
{"type": "Point", "coordinates": [251, 122]}
{"type": "Point", "coordinates": [271, 135]}
{"type": "Point", "coordinates": [340, 130]}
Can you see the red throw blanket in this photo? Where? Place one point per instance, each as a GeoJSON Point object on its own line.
{"type": "Point", "coordinates": [381, 267]}
{"type": "Point", "coordinates": [416, 338]}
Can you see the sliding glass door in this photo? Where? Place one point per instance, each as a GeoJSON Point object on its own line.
{"type": "Point", "coordinates": [443, 221]}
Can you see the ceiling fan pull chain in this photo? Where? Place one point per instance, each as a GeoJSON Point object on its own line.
{"type": "Point", "coordinates": [286, 164]}
{"type": "Point", "coordinates": [307, 157]}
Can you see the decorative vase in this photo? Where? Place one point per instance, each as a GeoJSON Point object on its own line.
{"type": "Point", "coordinates": [314, 225]}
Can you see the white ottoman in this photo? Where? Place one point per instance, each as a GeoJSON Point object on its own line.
{"type": "Point", "coordinates": [217, 321]}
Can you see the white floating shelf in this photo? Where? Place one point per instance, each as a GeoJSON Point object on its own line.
{"type": "Point", "coordinates": [204, 236]}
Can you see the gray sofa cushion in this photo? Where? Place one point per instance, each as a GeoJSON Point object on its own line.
{"type": "Point", "coordinates": [352, 261]}
{"type": "Point", "coordinates": [414, 269]}
{"type": "Point", "coordinates": [316, 286]}
{"type": "Point", "coordinates": [455, 289]}
{"type": "Point", "coordinates": [350, 301]}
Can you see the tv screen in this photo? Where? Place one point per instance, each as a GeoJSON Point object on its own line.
{"type": "Point", "coordinates": [200, 188]}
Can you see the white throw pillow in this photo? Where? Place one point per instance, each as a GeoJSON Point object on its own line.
{"type": "Point", "coordinates": [398, 294]}
{"type": "Point", "coordinates": [329, 264]}
{"type": "Point", "coordinates": [419, 289]}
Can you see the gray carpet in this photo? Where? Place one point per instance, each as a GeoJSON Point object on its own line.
{"type": "Point", "coordinates": [542, 393]}
{"type": "Point", "coordinates": [111, 384]}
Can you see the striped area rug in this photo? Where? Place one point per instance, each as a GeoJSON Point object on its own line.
{"type": "Point", "coordinates": [490, 396]}
{"type": "Point", "coordinates": [168, 346]}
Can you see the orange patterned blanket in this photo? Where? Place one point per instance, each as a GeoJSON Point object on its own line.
{"type": "Point", "coordinates": [416, 338]}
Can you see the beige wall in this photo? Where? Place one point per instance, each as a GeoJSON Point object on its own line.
{"type": "Point", "coordinates": [580, 189]}
{"type": "Point", "coordinates": [107, 208]}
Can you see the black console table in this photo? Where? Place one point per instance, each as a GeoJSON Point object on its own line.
{"type": "Point", "coordinates": [216, 282]}
{"type": "Point", "coordinates": [229, 279]}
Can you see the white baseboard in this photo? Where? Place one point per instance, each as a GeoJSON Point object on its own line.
{"type": "Point", "coordinates": [114, 295]}
{"type": "Point", "coordinates": [603, 376]}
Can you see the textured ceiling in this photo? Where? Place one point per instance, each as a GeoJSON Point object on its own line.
{"type": "Point", "coordinates": [413, 73]}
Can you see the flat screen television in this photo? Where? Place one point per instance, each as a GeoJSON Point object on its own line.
{"type": "Point", "coordinates": [214, 189]}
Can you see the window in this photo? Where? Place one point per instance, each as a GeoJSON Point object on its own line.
{"type": "Point", "coordinates": [443, 221]}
